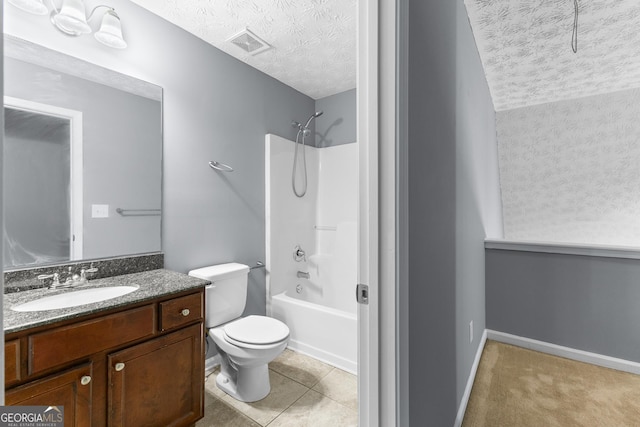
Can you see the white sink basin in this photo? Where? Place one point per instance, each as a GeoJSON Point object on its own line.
{"type": "Point", "coordinates": [75, 298]}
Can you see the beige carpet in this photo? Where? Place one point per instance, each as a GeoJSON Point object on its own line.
{"type": "Point", "coordinates": [524, 388]}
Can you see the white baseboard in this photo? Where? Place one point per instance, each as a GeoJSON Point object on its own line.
{"type": "Point", "coordinates": [472, 376]}
{"type": "Point", "coordinates": [324, 356]}
{"type": "Point", "coordinates": [566, 352]}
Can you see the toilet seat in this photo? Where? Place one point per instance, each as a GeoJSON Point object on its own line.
{"type": "Point", "coordinates": [255, 332]}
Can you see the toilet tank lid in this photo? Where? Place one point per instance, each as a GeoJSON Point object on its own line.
{"type": "Point", "coordinates": [220, 271]}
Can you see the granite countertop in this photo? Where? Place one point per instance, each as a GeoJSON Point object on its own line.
{"type": "Point", "coordinates": [152, 284]}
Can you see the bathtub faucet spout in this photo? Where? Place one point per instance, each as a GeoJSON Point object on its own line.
{"type": "Point", "coordinates": [303, 275]}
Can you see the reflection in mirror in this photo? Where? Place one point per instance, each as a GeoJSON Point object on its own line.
{"type": "Point", "coordinates": [39, 228]}
{"type": "Point", "coordinates": [83, 148]}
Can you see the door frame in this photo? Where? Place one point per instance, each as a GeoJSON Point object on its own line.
{"type": "Point", "coordinates": [75, 146]}
{"type": "Point", "coordinates": [377, 140]}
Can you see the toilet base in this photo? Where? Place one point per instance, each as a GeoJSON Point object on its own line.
{"type": "Point", "coordinates": [252, 383]}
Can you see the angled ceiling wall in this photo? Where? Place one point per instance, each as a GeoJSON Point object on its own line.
{"type": "Point", "coordinates": [525, 47]}
{"type": "Point", "coordinates": [566, 122]}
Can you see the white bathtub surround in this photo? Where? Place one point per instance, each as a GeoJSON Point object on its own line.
{"type": "Point", "coordinates": [321, 310]}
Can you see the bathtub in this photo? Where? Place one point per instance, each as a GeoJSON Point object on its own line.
{"type": "Point", "coordinates": [324, 333]}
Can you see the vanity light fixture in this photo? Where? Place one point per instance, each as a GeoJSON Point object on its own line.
{"type": "Point", "coordinates": [71, 19]}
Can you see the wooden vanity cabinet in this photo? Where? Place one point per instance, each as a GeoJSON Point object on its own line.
{"type": "Point", "coordinates": [70, 389]}
{"type": "Point", "coordinates": [172, 363]}
{"type": "Point", "coordinates": [11, 362]}
{"type": "Point", "coordinates": [118, 368]}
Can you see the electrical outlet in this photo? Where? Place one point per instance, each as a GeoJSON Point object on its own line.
{"type": "Point", "coordinates": [471, 332]}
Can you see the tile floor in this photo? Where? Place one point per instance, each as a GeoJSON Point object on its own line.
{"type": "Point", "coordinates": [304, 392]}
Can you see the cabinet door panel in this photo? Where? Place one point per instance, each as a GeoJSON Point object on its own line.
{"type": "Point", "coordinates": [11, 362]}
{"type": "Point", "coordinates": [181, 311]}
{"type": "Point", "coordinates": [67, 343]}
{"type": "Point", "coordinates": [159, 382]}
{"type": "Point", "coordinates": [64, 389]}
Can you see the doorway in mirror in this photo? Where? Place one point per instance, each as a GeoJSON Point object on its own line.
{"type": "Point", "coordinates": [42, 183]}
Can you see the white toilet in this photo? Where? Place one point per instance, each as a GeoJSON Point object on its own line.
{"type": "Point", "coordinates": [246, 344]}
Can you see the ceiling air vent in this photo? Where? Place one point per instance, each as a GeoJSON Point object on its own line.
{"type": "Point", "coordinates": [249, 42]}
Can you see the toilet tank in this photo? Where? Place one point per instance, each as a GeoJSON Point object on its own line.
{"type": "Point", "coordinates": [226, 297]}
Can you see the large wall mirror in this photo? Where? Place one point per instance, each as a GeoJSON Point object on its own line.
{"type": "Point", "coordinates": [82, 160]}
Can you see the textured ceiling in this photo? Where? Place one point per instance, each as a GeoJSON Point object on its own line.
{"type": "Point", "coordinates": [525, 48]}
{"type": "Point", "coordinates": [314, 41]}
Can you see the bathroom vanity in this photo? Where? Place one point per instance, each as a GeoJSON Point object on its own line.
{"type": "Point", "coordinates": [133, 360]}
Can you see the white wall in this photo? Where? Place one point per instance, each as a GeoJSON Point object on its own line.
{"type": "Point", "coordinates": [289, 218]}
{"type": "Point", "coordinates": [336, 220]}
{"type": "Point", "coordinates": [323, 222]}
{"type": "Point", "coordinates": [570, 172]}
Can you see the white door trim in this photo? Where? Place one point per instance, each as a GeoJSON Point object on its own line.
{"type": "Point", "coordinates": [76, 196]}
{"type": "Point", "coordinates": [377, 383]}
{"type": "Point", "coordinates": [367, 113]}
{"type": "Point", "coordinates": [388, 213]}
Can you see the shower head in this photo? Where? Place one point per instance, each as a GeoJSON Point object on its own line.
{"type": "Point", "coordinates": [313, 116]}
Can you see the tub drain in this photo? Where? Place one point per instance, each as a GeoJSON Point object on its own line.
{"type": "Point", "coordinates": [299, 289]}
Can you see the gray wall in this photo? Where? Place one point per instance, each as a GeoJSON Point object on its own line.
{"type": "Point", "coordinates": [453, 204]}
{"type": "Point", "coordinates": [583, 302]}
{"type": "Point", "coordinates": [339, 122]}
{"type": "Point", "coordinates": [215, 108]}
{"type": "Point", "coordinates": [121, 154]}
{"type": "Point", "coordinates": [478, 202]}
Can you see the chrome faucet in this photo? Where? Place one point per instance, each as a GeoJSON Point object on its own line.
{"type": "Point", "coordinates": [303, 275]}
{"type": "Point", "coordinates": [56, 279]}
{"type": "Point", "coordinates": [73, 279]}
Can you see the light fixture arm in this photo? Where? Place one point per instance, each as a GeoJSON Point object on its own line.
{"type": "Point", "coordinates": [98, 7]}
{"type": "Point", "coordinates": [53, 6]}
{"type": "Point", "coordinates": [55, 9]}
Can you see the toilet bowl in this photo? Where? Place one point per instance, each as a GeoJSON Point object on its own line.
{"type": "Point", "coordinates": [246, 344]}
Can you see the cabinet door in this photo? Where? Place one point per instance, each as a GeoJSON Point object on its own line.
{"type": "Point", "coordinates": [12, 362]}
{"type": "Point", "coordinates": [159, 382]}
{"type": "Point", "coordinates": [71, 389]}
